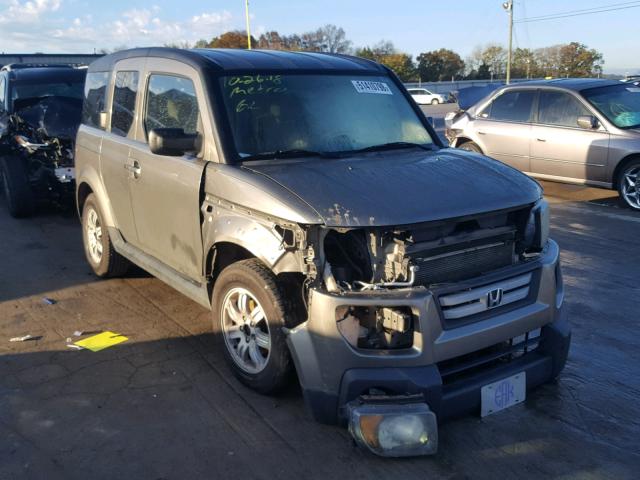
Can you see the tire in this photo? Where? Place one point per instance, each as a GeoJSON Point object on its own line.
{"type": "Point", "coordinates": [102, 257]}
{"type": "Point", "coordinates": [627, 184]}
{"type": "Point", "coordinates": [264, 367]}
{"type": "Point", "coordinates": [470, 147]}
{"type": "Point", "coordinates": [435, 101]}
{"type": "Point", "coordinates": [16, 188]}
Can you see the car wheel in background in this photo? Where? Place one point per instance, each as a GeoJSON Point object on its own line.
{"type": "Point", "coordinates": [470, 147]}
{"type": "Point", "coordinates": [15, 186]}
{"type": "Point", "coordinates": [104, 260]}
{"type": "Point", "coordinates": [628, 186]}
{"type": "Point", "coordinates": [435, 101]}
{"type": "Point", "coordinates": [250, 309]}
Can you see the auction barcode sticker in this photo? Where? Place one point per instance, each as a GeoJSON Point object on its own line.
{"type": "Point", "coordinates": [366, 86]}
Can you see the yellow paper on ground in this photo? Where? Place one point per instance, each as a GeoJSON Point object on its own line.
{"type": "Point", "coordinates": [101, 341]}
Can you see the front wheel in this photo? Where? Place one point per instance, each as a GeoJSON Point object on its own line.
{"type": "Point", "coordinates": [250, 309]}
{"type": "Point", "coordinates": [15, 185]}
{"type": "Point", "coordinates": [470, 147]}
{"type": "Point", "coordinates": [435, 101]}
{"type": "Point", "coordinates": [628, 187]}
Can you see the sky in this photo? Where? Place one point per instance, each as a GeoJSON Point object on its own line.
{"type": "Point", "coordinates": [414, 26]}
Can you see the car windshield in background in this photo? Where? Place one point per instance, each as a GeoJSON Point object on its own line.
{"type": "Point", "coordinates": [619, 103]}
{"type": "Point", "coordinates": [271, 114]}
{"type": "Point", "coordinates": [21, 91]}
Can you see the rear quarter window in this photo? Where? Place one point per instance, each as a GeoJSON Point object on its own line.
{"type": "Point", "coordinates": [95, 90]}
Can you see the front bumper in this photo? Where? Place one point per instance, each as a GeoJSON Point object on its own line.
{"type": "Point", "coordinates": [332, 373]}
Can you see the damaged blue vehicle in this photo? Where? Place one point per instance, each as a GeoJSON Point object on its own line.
{"type": "Point", "coordinates": [40, 109]}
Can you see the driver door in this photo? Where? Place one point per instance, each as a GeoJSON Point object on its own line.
{"type": "Point", "coordinates": [165, 190]}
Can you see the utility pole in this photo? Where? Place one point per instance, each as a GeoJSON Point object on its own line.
{"type": "Point", "coordinates": [508, 6]}
{"type": "Point", "coordinates": [246, 11]}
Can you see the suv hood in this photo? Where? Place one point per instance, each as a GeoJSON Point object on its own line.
{"type": "Point", "coordinates": [401, 187]}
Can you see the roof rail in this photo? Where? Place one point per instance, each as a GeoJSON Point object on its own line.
{"type": "Point", "coordinates": [21, 66]}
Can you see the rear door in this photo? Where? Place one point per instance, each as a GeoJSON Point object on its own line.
{"type": "Point", "coordinates": [503, 127]}
{"type": "Point", "coordinates": [117, 141]}
{"type": "Point", "coordinates": [166, 190]}
{"type": "Point", "coordinates": [559, 147]}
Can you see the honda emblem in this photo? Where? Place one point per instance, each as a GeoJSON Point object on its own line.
{"type": "Point", "coordinates": [494, 298]}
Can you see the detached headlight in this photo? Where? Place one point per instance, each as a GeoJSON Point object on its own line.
{"type": "Point", "coordinates": [536, 232]}
{"type": "Point", "coordinates": [394, 429]}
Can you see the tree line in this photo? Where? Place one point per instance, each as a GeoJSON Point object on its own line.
{"type": "Point", "coordinates": [485, 62]}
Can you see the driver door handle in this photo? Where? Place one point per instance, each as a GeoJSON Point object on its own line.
{"type": "Point", "coordinates": [134, 168]}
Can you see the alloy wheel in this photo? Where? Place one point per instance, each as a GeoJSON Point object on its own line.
{"type": "Point", "coordinates": [245, 330]}
{"type": "Point", "coordinates": [94, 236]}
{"type": "Point", "coordinates": [630, 188]}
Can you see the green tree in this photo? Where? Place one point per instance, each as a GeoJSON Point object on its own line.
{"type": "Point", "coordinates": [439, 65]}
{"type": "Point", "coordinates": [233, 39]}
{"type": "Point", "coordinates": [577, 60]}
{"type": "Point", "coordinates": [385, 52]}
{"type": "Point", "coordinates": [524, 64]}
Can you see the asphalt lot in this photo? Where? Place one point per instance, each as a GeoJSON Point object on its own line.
{"type": "Point", "coordinates": [163, 405]}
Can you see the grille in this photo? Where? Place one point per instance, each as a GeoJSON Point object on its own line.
{"type": "Point", "coordinates": [463, 261]}
{"type": "Point", "coordinates": [469, 302]}
{"type": "Point", "coordinates": [472, 363]}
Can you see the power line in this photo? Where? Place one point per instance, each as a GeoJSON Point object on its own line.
{"type": "Point", "coordinates": [576, 13]}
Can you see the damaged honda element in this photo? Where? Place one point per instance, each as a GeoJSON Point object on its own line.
{"type": "Point", "coordinates": [305, 199]}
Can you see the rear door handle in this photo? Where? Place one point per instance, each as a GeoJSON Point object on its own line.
{"type": "Point", "coordinates": [480, 133]}
{"type": "Point", "coordinates": [134, 168]}
{"type": "Point", "coordinates": [541, 139]}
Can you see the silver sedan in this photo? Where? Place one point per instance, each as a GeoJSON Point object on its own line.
{"type": "Point", "coordinates": [583, 131]}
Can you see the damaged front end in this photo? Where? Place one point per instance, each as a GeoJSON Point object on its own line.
{"type": "Point", "coordinates": [40, 135]}
{"type": "Point", "coordinates": [390, 307]}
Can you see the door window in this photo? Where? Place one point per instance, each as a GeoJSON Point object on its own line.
{"type": "Point", "coordinates": [557, 108]}
{"type": "Point", "coordinates": [514, 106]}
{"type": "Point", "coordinates": [171, 103]}
{"type": "Point", "coordinates": [124, 102]}
{"type": "Point", "coordinates": [2, 94]}
{"type": "Point", "coordinates": [95, 89]}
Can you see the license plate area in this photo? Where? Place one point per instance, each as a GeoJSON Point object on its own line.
{"type": "Point", "coordinates": [503, 394]}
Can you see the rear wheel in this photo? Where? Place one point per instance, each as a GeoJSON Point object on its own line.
{"type": "Point", "coordinates": [250, 309]}
{"type": "Point", "coordinates": [104, 260]}
{"type": "Point", "coordinates": [15, 185]}
{"type": "Point", "coordinates": [470, 147]}
{"type": "Point", "coordinates": [628, 186]}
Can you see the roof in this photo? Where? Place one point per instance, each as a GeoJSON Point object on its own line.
{"type": "Point", "coordinates": [576, 84]}
{"type": "Point", "coordinates": [245, 60]}
{"type": "Point", "coordinates": [37, 74]}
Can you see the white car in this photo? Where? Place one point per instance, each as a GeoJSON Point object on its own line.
{"type": "Point", "coordinates": [422, 96]}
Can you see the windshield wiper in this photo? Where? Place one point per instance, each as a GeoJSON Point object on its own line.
{"type": "Point", "coordinates": [294, 153]}
{"type": "Point", "coordinates": [393, 145]}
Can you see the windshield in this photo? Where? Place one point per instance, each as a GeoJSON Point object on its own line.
{"type": "Point", "coordinates": [317, 113]}
{"type": "Point", "coordinates": [73, 89]}
{"type": "Point", "coordinates": [619, 103]}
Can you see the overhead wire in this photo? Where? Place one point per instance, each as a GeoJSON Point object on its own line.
{"type": "Point", "coordinates": [576, 13]}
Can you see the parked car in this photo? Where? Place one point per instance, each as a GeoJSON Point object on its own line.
{"type": "Point", "coordinates": [422, 96]}
{"type": "Point", "coordinates": [40, 110]}
{"type": "Point", "coordinates": [305, 200]}
{"type": "Point", "coordinates": [583, 131]}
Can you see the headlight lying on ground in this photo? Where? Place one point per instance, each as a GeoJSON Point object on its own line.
{"type": "Point", "coordinates": [536, 232]}
{"type": "Point", "coordinates": [394, 429]}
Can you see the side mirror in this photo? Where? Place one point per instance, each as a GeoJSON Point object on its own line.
{"type": "Point", "coordinates": [172, 141]}
{"type": "Point", "coordinates": [588, 121]}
